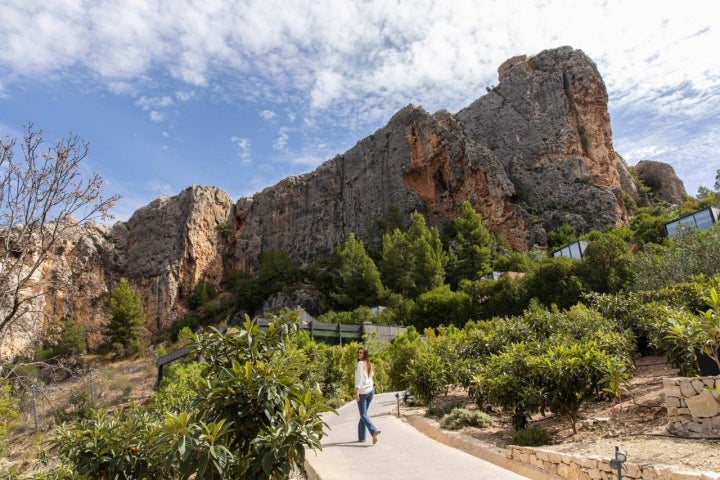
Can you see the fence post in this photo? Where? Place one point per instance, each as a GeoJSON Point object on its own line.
{"type": "Point", "coordinates": [92, 384]}
{"type": "Point", "coordinates": [34, 406]}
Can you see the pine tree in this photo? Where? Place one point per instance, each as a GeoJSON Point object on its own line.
{"type": "Point", "coordinates": [472, 247]}
{"type": "Point", "coordinates": [358, 280]}
{"type": "Point", "coordinates": [396, 258]}
{"type": "Point", "coordinates": [127, 317]}
{"type": "Point", "coordinates": [429, 259]}
{"type": "Point", "coordinates": [413, 262]}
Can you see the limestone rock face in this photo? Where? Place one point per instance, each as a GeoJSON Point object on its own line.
{"type": "Point", "coordinates": [661, 178]}
{"type": "Point", "coordinates": [172, 244]}
{"type": "Point", "coordinates": [77, 273]}
{"type": "Point", "coordinates": [417, 162]}
{"type": "Point", "coordinates": [547, 124]}
{"type": "Point", "coordinates": [532, 154]}
{"type": "Point", "coordinates": [164, 250]}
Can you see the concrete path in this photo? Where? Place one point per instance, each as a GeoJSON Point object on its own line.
{"type": "Point", "coordinates": [402, 452]}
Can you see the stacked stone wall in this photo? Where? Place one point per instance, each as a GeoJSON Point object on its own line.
{"type": "Point", "coordinates": [571, 467]}
{"type": "Point", "coordinates": [693, 407]}
{"type": "Point", "coordinates": [539, 463]}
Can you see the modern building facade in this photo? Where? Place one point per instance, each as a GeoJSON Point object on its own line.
{"type": "Point", "coordinates": [701, 220]}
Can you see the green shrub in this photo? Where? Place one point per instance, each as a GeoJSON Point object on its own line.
{"type": "Point", "coordinates": [691, 333]}
{"type": "Point", "coordinates": [118, 445]}
{"type": "Point", "coordinates": [203, 293]}
{"type": "Point", "coordinates": [405, 348]}
{"type": "Point", "coordinates": [532, 436]}
{"type": "Point", "coordinates": [426, 377]}
{"type": "Point", "coordinates": [63, 339]}
{"type": "Point", "coordinates": [442, 406]}
{"type": "Point", "coordinates": [462, 417]}
{"type": "Point", "coordinates": [248, 414]}
{"type": "Point", "coordinates": [8, 413]}
{"type": "Point", "coordinates": [127, 317]}
{"type": "Point", "coordinates": [81, 405]}
{"type": "Point", "coordinates": [570, 374]}
{"type": "Point", "coordinates": [509, 380]}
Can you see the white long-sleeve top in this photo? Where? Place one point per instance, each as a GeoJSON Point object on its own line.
{"type": "Point", "coordinates": [363, 381]}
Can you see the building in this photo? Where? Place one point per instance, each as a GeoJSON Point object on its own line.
{"type": "Point", "coordinates": [495, 275]}
{"type": "Point", "coordinates": [701, 220]}
{"type": "Point", "coordinates": [576, 250]}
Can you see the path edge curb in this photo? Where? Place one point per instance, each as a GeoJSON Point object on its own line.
{"type": "Point", "coordinates": [494, 455]}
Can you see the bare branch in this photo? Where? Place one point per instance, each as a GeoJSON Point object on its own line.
{"type": "Point", "coordinates": [43, 196]}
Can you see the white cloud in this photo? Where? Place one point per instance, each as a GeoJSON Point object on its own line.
{"type": "Point", "coordinates": [429, 53]}
{"type": "Point", "coordinates": [159, 187]}
{"type": "Point", "coordinates": [267, 115]}
{"type": "Point", "coordinates": [692, 152]}
{"type": "Point", "coordinates": [120, 87]}
{"type": "Point", "coordinates": [350, 65]}
{"type": "Point", "coordinates": [156, 116]}
{"type": "Point", "coordinates": [281, 141]}
{"type": "Point", "coordinates": [184, 96]}
{"type": "Point", "coordinates": [307, 160]}
{"type": "Point", "coordinates": [243, 147]}
{"type": "Point", "coordinates": [148, 103]}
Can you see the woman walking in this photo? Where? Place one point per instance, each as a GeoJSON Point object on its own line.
{"type": "Point", "coordinates": [364, 390]}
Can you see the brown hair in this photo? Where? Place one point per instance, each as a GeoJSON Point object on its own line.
{"type": "Point", "coordinates": [366, 359]}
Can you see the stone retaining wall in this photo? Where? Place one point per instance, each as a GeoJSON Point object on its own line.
{"type": "Point", "coordinates": [693, 408]}
{"type": "Point", "coordinates": [537, 463]}
{"type": "Point", "coordinates": [571, 467]}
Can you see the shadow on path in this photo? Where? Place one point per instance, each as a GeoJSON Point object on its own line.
{"type": "Point", "coordinates": [401, 451]}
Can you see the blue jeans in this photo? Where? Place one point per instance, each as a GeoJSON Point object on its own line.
{"type": "Point", "coordinates": [365, 423]}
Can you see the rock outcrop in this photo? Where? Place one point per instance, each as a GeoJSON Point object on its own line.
{"type": "Point", "coordinates": [78, 272]}
{"type": "Point", "coordinates": [534, 153]}
{"type": "Point", "coordinates": [170, 245]}
{"type": "Point", "coordinates": [661, 178]}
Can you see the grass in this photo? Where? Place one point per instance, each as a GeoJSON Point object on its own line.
{"type": "Point", "coordinates": [112, 384]}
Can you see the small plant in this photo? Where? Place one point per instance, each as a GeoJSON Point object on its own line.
{"type": "Point", "coordinates": [80, 407]}
{"type": "Point", "coordinates": [8, 413]}
{"type": "Point", "coordinates": [442, 406]}
{"type": "Point", "coordinates": [462, 417]}
{"type": "Point", "coordinates": [532, 436]}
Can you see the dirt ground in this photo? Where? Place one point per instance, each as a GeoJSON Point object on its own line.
{"type": "Point", "coordinates": [636, 425]}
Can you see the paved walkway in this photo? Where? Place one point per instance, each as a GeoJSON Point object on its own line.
{"type": "Point", "coordinates": [402, 452]}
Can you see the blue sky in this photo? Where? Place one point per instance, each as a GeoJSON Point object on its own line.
{"type": "Point", "coordinates": [241, 94]}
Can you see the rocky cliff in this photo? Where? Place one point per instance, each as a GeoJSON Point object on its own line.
{"type": "Point", "coordinates": [533, 153]}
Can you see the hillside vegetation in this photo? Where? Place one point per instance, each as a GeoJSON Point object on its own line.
{"type": "Point", "coordinates": [247, 402]}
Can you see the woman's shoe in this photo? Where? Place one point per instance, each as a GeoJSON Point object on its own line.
{"type": "Point", "coordinates": [375, 435]}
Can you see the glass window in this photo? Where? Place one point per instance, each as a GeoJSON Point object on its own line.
{"type": "Point", "coordinates": [703, 219]}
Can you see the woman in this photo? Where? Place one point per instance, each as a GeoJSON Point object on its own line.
{"type": "Point", "coordinates": [364, 390]}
